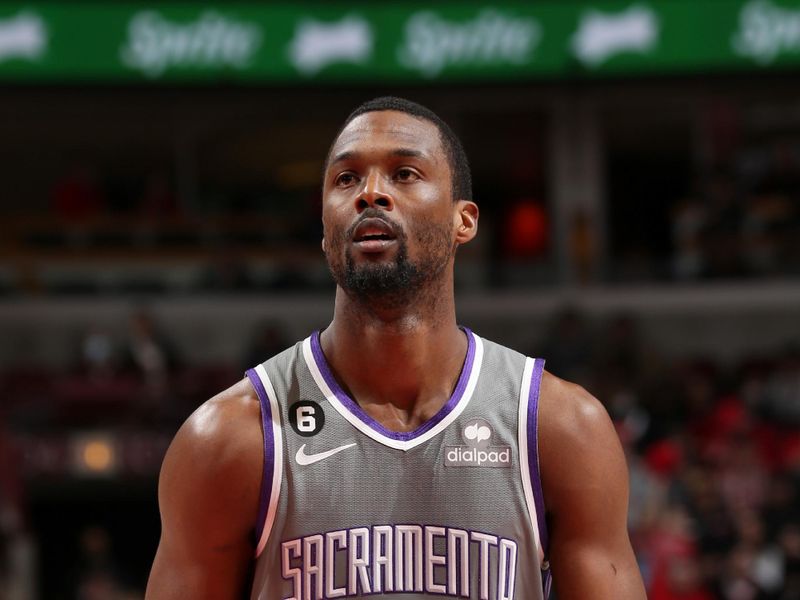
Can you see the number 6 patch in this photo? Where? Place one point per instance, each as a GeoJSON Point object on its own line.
{"type": "Point", "coordinates": [306, 418]}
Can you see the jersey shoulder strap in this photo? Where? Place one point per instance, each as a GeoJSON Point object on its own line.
{"type": "Point", "coordinates": [265, 378]}
{"type": "Point", "coordinates": [528, 432]}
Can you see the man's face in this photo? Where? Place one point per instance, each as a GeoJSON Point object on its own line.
{"type": "Point", "coordinates": [388, 211]}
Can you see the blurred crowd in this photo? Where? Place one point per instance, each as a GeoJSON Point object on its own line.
{"type": "Point", "coordinates": [129, 377]}
{"type": "Point", "coordinates": [722, 230]}
{"type": "Point", "coordinates": [132, 386]}
{"type": "Point", "coordinates": [82, 193]}
{"type": "Point", "coordinates": [713, 450]}
{"type": "Point", "coordinates": [742, 217]}
{"type": "Point", "coordinates": [738, 218]}
{"type": "Point", "coordinates": [714, 458]}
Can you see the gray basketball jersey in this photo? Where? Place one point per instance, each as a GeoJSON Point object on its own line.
{"type": "Point", "coordinates": [351, 509]}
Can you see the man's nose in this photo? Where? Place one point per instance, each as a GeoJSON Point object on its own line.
{"type": "Point", "coordinates": [374, 194]}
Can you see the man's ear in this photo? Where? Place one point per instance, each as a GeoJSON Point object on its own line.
{"type": "Point", "coordinates": [466, 220]}
{"type": "Point", "coordinates": [323, 245]}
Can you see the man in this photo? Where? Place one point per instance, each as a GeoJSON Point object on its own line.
{"type": "Point", "coordinates": [394, 452]}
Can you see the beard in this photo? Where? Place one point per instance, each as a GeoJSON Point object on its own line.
{"type": "Point", "coordinates": [401, 281]}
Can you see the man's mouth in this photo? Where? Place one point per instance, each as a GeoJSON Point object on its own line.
{"type": "Point", "coordinates": [373, 235]}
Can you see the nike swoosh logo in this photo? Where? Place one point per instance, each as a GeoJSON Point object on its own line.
{"type": "Point", "coordinates": [309, 459]}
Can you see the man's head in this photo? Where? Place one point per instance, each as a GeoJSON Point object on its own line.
{"type": "Point", "coordinates": [456, 157]}
{"type": "Point", "coordinates": [396, 202]}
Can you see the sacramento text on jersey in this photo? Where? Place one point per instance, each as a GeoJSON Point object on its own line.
{"type": "Point", "coordinates": [399, 558]}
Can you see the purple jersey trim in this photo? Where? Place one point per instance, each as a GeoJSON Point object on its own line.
{"type": "Point", "coordinates": [269, 451]}
{"type": "Point", "coordinates": [533, 450]}
{"type": "Point", "coordinates": [354, 408]}
{"type": "Point", "coordinates": [547, 583]}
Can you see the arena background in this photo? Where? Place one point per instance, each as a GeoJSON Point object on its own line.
{"type": "Point", "coordinates": [637, 165]}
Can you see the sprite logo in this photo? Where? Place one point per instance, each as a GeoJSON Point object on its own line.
{"type": "Point", "coordinates": [766, 31]}
{"type": "Point", "coordinates": [432, 43]}
{"type": "Point", "coordinates": [477, 452]}
{"type": "Point", "coordinates": [155, 44]}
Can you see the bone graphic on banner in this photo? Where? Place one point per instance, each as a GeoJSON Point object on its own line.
{"type": "Point", "coordinates": [316, 45]}
{"type": "Point", "coordinates": [601, 36]}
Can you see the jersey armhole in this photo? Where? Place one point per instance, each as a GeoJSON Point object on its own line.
{"type": "Point", "coordinates": [273, 455]}
{"type": "Point", "coordinates": [528, 434]}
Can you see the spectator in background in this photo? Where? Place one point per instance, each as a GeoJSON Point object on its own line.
{"type": "Point", "coordinates": [520, 231]}
{"type": "Point", "coordinates": [782, 175]}
{"type": "Point", "coordinates": [148, 353]}
{"type": "Point", "coordinates": [689, 217]}
{"type": "Point", "coordinates": [99, 354]}
{"type": "Point", "coordinates": [764, 229]}
{"type": "Point", "coordinates": [17, 554]}
{"type": "Point", "coordinates": [742, 477]}
{"type": "Point", "coordinates": [517, 220]}
{"type": "Point", "coordinates": [647, 497]}
{"type": "Point", "coordinates": [789, 541]}
{"type": "Point", "coordinates": [714, 528]}
{"type": "Point", "coordinates": [781, 398]}
{"type": "Point", "coordinates": [673, 554]}
{"type": "Point", "coordinates": [97, 575]}
{"type": "Point", "coordinates": [737, 582]}
{"type": "Point", "coordinates": [525, 230]}
{"type": "Point", "coordinates": [782, 506]}
{"type": "Point", "coordinates": [583, 246]}
{"type": "Point", "coordinates": [766, 566]}
{"type": "Point", "coordinates": [722, 231]}
{"type": "Point", "coordinates": [78, 195]}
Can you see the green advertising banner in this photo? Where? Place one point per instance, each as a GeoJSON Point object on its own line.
{"type": "Point", "coordinates": [391, 42]}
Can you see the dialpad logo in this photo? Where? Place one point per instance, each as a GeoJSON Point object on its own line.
{"type": "Point", "coordinates": [477, 451]}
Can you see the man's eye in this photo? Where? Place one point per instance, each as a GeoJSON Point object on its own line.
{"type": "Point", "coordinates": [406, 175]}
{"type": "Point", "coordinates": [345, 179]}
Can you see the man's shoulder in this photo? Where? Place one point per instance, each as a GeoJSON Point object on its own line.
{"type": "Point", "coordinates": [211, 476]}
{"type": "Point", "coordinates": [225, 429]}
{"type": "Point", "coordinates": [578, 445]}
{"type": "Point", "coordinates": [235, 402]}
{"type": "Point", "coordinates": [568, 412]}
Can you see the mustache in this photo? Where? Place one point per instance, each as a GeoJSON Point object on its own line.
{"type": "Point", "coordinates": [375, 213]}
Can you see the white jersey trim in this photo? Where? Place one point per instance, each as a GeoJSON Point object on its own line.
{"type": "Point", "coordinates": [277, 471]}
{"type": "Point", "coordinates": [364, 428]}
{"type": "Point", "coordinates": [522, 435]}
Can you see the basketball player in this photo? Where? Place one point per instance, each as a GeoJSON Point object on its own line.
{"type": "Point", "coordinates": [396, 453]}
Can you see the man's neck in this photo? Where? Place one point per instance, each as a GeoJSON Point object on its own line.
{"type": "Point", "coordinates": [400, 367]}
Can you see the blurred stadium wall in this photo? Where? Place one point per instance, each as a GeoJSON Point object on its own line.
{"type": "Point", "coordinates": [637, 164]}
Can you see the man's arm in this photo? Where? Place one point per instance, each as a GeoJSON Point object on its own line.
{"type": "Point", "coordinates": [208, 493]}
{"type": "Point", "coordinates": [585, 484]}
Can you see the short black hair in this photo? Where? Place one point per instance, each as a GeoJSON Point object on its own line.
{"type": "Point", "coordinates": [456, 157]}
